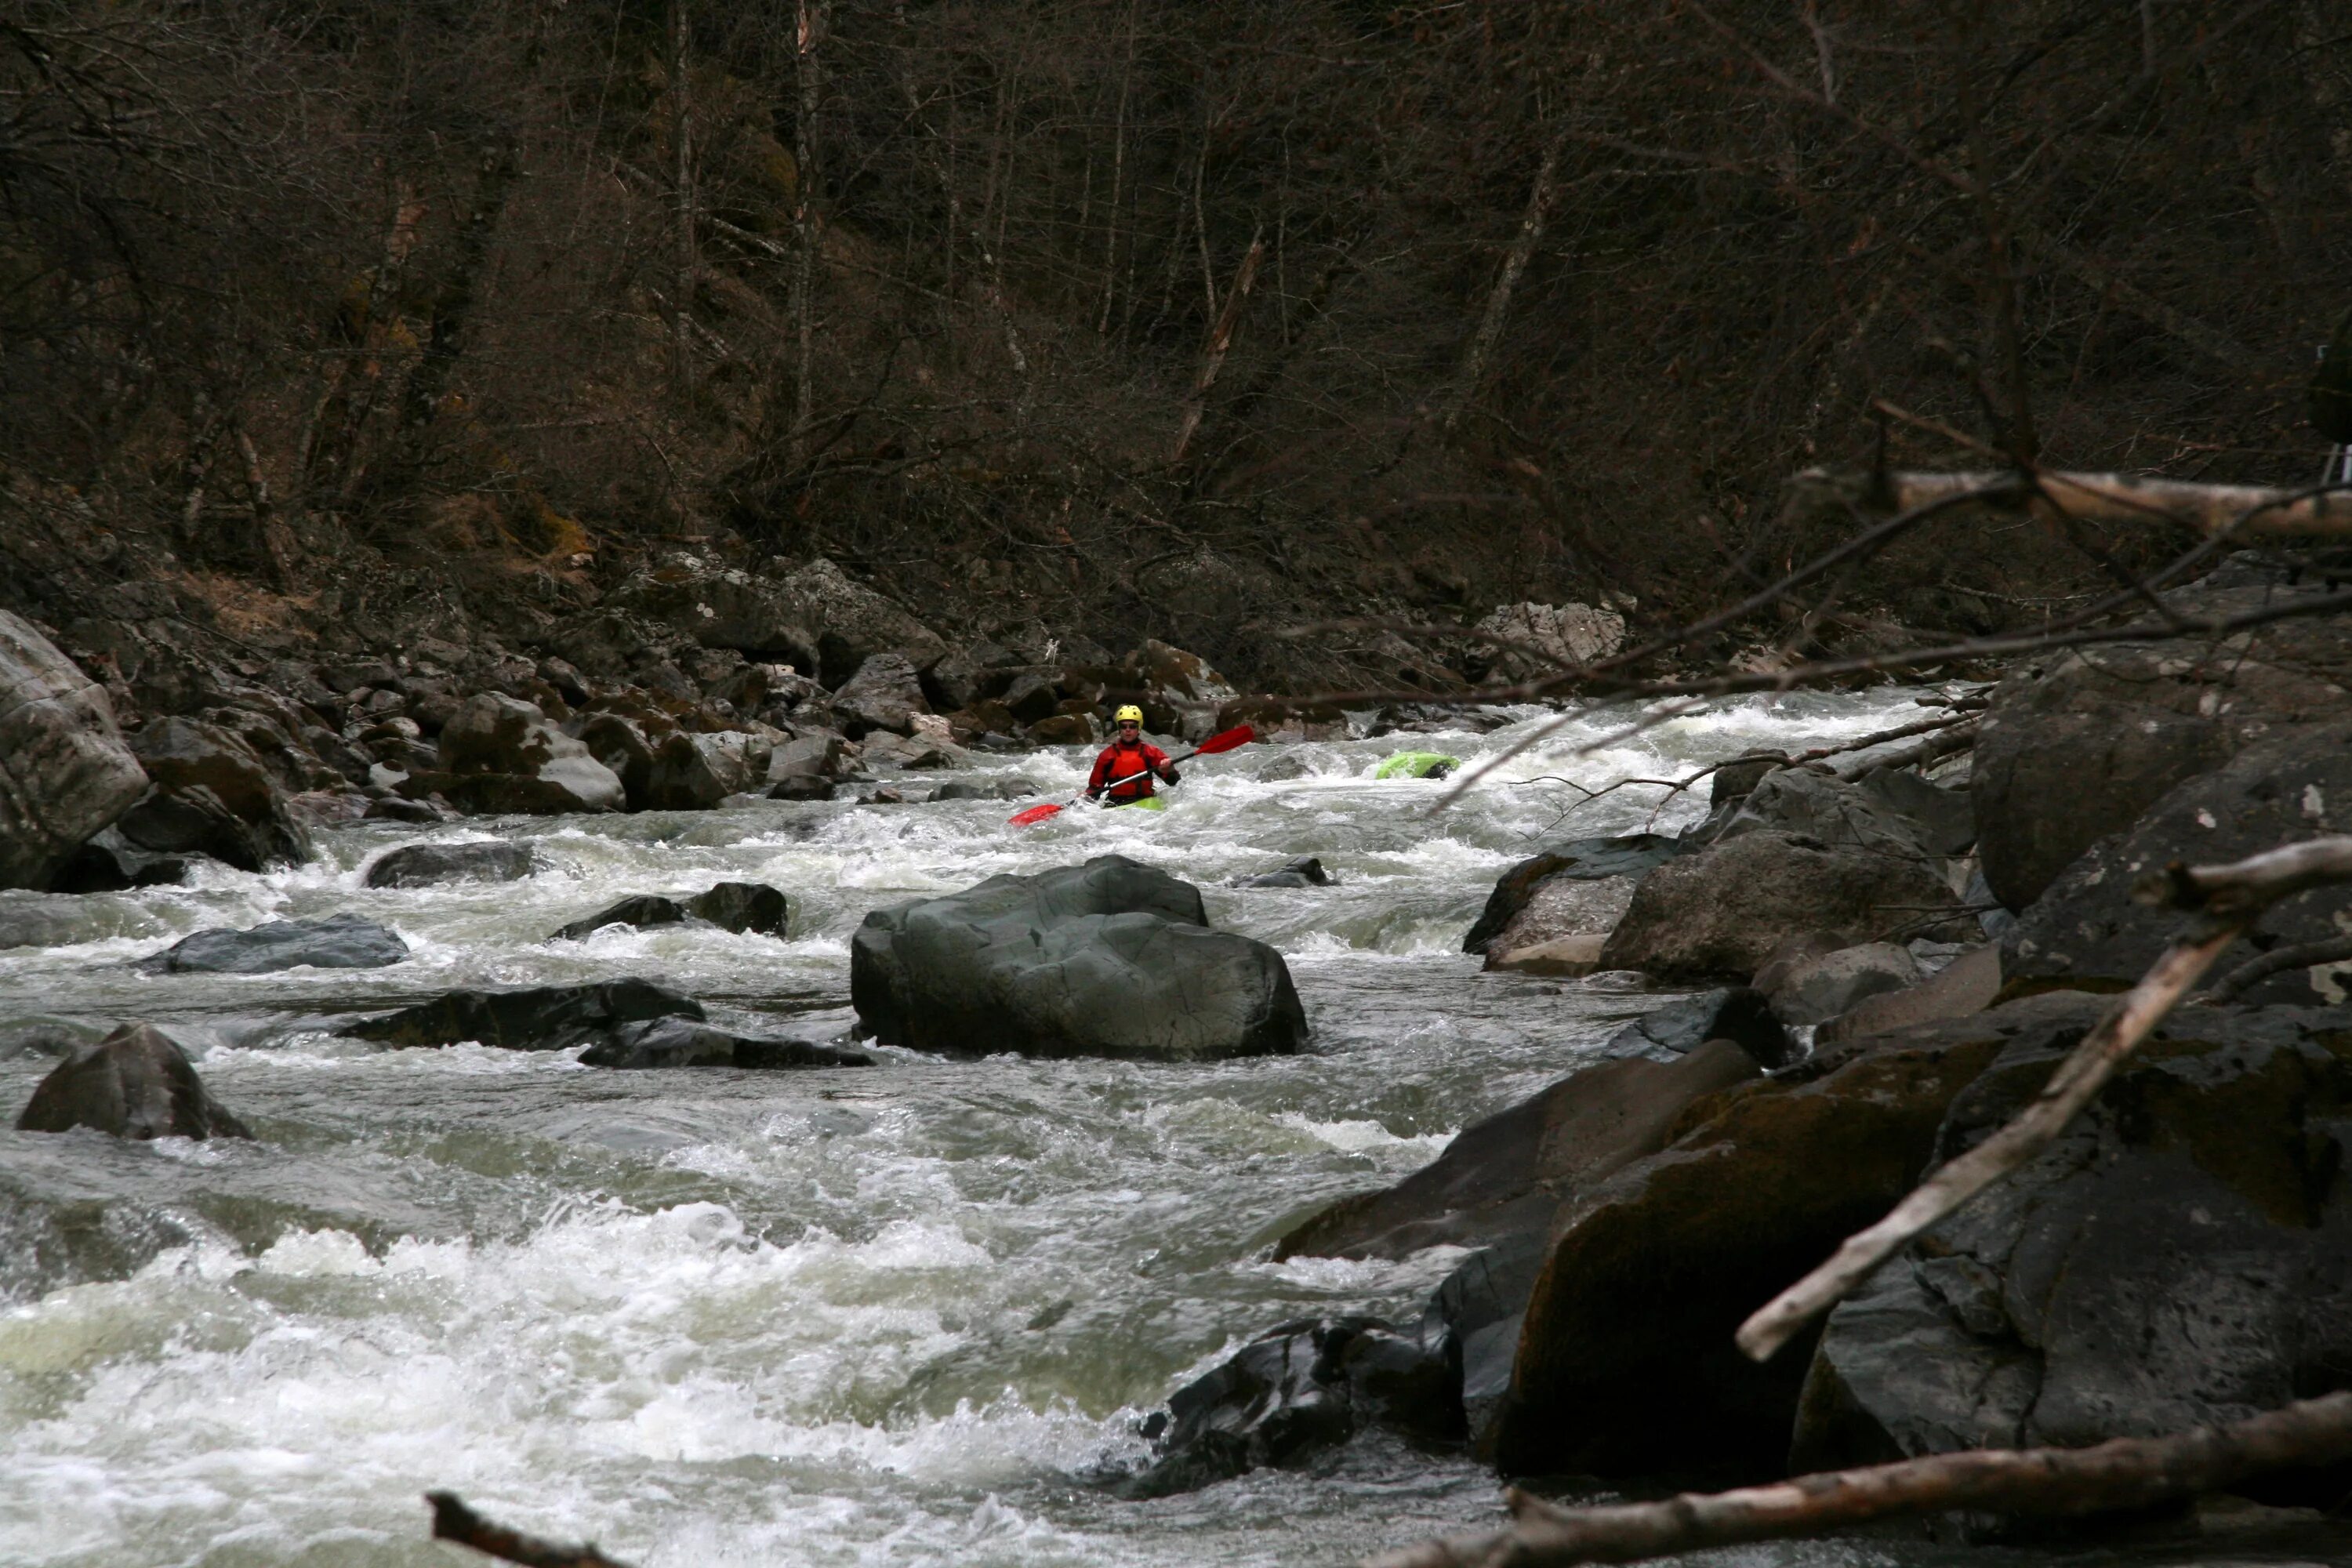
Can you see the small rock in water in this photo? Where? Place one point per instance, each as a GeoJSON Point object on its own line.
{"type": "Point", "coordinates": [643, 909]}
{"type": "Point", "coordinates": [135, 1083]}
{"type": "Point", "coordinates": [1306, 871]}
{"type": "Point", "coordinates": [687, 1043]}
{"type": "Point", "coordinates": [1735, 1014]}
{"type": "Point", "coordinates": [430, 864]}
{"type": "Point", "coordinates": [742, 907]}
{"type": "Point", "coordinates": [337, 942]}
{"type": "Point", "coordinates": [531, 1018]}
{"type": "Point", "coordinates": [801, 787]}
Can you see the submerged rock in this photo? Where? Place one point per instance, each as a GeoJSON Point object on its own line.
{"type": "Point", "coordinates": [529, 1018]}
{"type": "Point", "coordinates": [65, 771]}
{"type": "Point", "coordinates": [729, 906]}
{"type": "Point", "coordinates": [431, 865]}
{"type": "Point", "coordinates": [135, 1083]}
{"type": "Point", "coordinates": [1111, 958]}
{"type": "Point", "coordinates": [1297, 1391]}
{"type": "Point", "coordinates": [336, 942]}
{"type": "Point", "coordinates": [1305, 871]}
{"type": "Point", "coordinates": [680, 1042]}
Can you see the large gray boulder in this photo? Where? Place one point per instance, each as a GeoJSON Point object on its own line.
{"type": "Point", "coordinates": [335, 941]}
{"type": "Point", "coordinates": [433, 865]}
{"type": "Point", "coordinates": [852, 623]}
{"type": "Point", "coordinates": [212, 794]}
{"type": "Point", "coordinates": [135, 1083]}
{"type": "Point", "coordinates": [65, 771]}
{"type": "Point", "coordinates": [508, 756]}
{"type": "Point", "coordinates": [2086, 930]}
{"type": "Point", "coordinates": [1111, 958]}
{"type": "Point", "coordinates": [1544, 884]}
{"type": "Point", "coordinates": [885, 694]}
{"type": "Point", "coordinates": [2182, 1257]}
{"type": "Point", "coordinates": [2076, 747]}
{"type": "Point", "coordinates": [1723, 911]}
{"type": "Point", "coordinates": [721, 606]}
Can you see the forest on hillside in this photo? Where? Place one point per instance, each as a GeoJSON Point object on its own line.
{"type": "Point", "coordinates": [1140, 319]}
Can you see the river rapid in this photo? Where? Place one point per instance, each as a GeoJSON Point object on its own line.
{"type": "Point", "coordinates": [889, 1316]}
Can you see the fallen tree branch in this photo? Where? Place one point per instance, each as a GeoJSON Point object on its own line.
{"type": "Point", "coordinates": [453, 1521]}
{"type": "Point", "coordinates": [2254, 970]}
{"type": "Point", "coordinates": [2233, 896]}
{"type": "Point", "coordinates": [2245, 511]}
{"type": "Point", "coordinates": [2127, 1473]}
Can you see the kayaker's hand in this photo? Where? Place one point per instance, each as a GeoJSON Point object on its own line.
{"type": "Point", "coordinates": [1169, 774]}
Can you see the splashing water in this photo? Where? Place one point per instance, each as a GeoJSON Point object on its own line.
{"type": "Point", "coordinates": [884, 1317]}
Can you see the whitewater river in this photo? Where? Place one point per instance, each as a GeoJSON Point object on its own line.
{"type": "Point", "coordinates": [888, 1316]}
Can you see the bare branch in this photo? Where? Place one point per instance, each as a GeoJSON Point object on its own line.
{"type": "Point", "coordinates": [2246, 512]}
{"type": "Point", "coordinates": [453, 1521]}
{"type": "Point", "coordinates": [2127, 1473]}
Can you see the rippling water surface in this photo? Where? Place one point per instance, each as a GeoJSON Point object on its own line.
{"type": "Point", "coordinates": [879, 1317]}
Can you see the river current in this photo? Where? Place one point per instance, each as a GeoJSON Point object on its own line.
{"type": "Point", "coordinates": [878, 1317]}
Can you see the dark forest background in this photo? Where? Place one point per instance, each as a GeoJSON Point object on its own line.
{"type": "Point", "coordinates": [1191, 320]}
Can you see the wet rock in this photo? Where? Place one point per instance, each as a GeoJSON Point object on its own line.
{"type": "Point", "coordinates": [1030, 697]}
{"type": "Point", "coordinates": [432, 865]}
{"type": "Point", "coordinates": [135, 1083]}
{"type": "Point", "coordinates": [802, 787]}
{"type": "Point", "coordinates": [1625, 1362]}
{"type": "Point", "coordinates": [334, 941]}
{"type": "Point", "coordinates": [531, 1018]}
{"type": "Point", "coordinates": [2182, 1257]}
{"type": "Point", "coordinates": [1560, 909]}
{"type": "Point", "coordinates": [1111, 958]}
{"type": "Point", "coordinates": [212, 796]}
{"type": "Point", "coordinates": [1723, 910]}
{"type": "Point", "coordinates": [1554, 637]}
{"type": "Point", "coordinates": [1508, 1175]}
{"type": "Point", "coordinates": [2086, 931]}
{"type": "Point", "coordinates": [1969, 983]}
{"type": "Point", "coordinates": [1735, 1014]}
{"type": "Point", "coordinates": [1561, 958]}
{"type": "Point", "coordinates": [2076, 747]}
{"type": "Point", "coordinates": [1823, 806]}
{"type": "Point", "coordinates": [885, 694]}
{"type": "Point", "coordinates": [111, 863]}
{"type": "Point", "coordinates": [508, 757]}
{"type": "Point", "coordinates": [742, 907]}
{"type": "Point", "coordinates": [852, 623]}
{"type": "Point", "coordinates": [721, 606]}
{"type": "Point", "coordinates": [1631, 857]}
{"type": "Point", "coordinates": [728, 906]}
{"type": "Point", "coordinates": [1295, 1391]}
{"type": "Point", "coordinates": [687, 1043]}
{"type": "Point", "coordinates": [696, 772]}
{"type": "Point", "coordinates": [395, 808]}
{"type": "Point", "coordinates": [1305, 871]}
{"type": "Point", "coordinates": [1817, 991]}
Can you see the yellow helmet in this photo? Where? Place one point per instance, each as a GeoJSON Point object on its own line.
{"type": "Point", "coordinates": [1127, 711]}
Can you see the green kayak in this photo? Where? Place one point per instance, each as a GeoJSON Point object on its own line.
{"type": "Point", "coordinates": [1417, 765]}
{"type": "Point", "coordinates": [1149, 803]}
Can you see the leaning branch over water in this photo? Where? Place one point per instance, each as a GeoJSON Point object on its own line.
{"type": "Point", "coordinates": [453, 1521]}
{"type": "Point", "coordinates": [2245, 511]}
{"type": "Point", "coordinates": [2232, 897]}
{"type": "Point", "coordinates": [2127, 1473]}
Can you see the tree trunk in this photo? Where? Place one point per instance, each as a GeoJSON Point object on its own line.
{"type": "Point", "coordinates": [808, 22]}
{"type": "Point", "coordinates": [1499, 302]}
{"type": "Point", "coordinates": [1221, 338]}
{"type": "Point", "coordinates": [681, 140]}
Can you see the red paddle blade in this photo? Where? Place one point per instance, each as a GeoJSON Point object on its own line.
{"type": "Point", "coordinates": [1034, 814]}
{"type": "Point", "coordinates": [1225, 741]}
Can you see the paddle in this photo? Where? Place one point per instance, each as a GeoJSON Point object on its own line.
{"type": "Point", "coordinates": [1224, 740]}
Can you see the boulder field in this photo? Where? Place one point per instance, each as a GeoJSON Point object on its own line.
{"type": "Point", "coordinates": [1930, 946]}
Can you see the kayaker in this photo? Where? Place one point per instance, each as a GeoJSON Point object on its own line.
{"type": "Point", "coordinates": [1131, 758]}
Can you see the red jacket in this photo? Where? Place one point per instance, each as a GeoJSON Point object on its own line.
{"type": "Point", "coordinates": [1119, 760]}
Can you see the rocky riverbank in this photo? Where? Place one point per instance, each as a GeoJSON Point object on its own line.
{"type": "Point", "coordinates": [1939, 920]}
